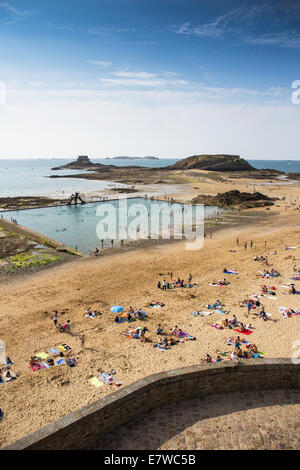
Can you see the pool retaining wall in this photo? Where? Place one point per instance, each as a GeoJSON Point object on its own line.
{"type": "Point", "coordinates": [36, 236]}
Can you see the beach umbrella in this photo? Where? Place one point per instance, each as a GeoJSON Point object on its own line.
{"type": "Point", "coordinates": [116, 309]}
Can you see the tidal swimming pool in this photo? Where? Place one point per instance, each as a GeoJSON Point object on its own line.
{"type": "Point", "coordinates": [76, 226]}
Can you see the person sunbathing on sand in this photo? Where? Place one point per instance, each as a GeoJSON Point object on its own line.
{"type": "Point", "coordinates": [288, 313]}
{"type": "Point", "coordinates": [33, 360]}
{"type": "Point", "coordinates": [238, 352]}
{"type": "Point", "coordinates": [171, 342]}
{"type": "Point", "coordinates": [221, 353]}
{"type": "Point", "coordinates": [274, 271]}
{"type": "Point", "coordinates": [142, 334]}
{"type": "Point", "coordinates": [164, 343]}
{"type": "Point", "coordinates": [226, 323]}
{"type": "Point", "coordinates": [174, 330]}
{"type": "Point", "coordinates": [139, 313]}
{"type": "Point", "coordinates": [292, 290]}
{"type": "Point", "coordinates": [253, 348]}
{"type": "Point", "coordinates": [207, 359]}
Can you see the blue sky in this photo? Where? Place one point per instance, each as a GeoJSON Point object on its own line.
{"type": "Point", "coordinates": [167, 77]}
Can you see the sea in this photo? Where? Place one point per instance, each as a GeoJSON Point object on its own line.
{"type": "Point", "coordinates": [20, 177]}
{"type": "Point", "coordinates": [76, 226]}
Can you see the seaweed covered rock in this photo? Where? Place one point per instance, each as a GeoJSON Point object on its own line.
{"type": "Point", "coordinates": [234, 198]}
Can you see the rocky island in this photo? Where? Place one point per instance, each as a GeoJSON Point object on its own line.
{"type": "Point", "coordinates": [212, 163]}
{"type": "Point", "coordinates": [235, 198]}
{"type": "Point", "coordinates": [82, 163]}
{"type": "Point", "coordinates": [206, 166]}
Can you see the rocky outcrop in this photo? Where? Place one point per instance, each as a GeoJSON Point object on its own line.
{"type": "Point", "coordinates": [212, 163]}
{"type": "Point", "coordinates": [82, 163]}
{"type": "Point", "coordinates": [234, 198]}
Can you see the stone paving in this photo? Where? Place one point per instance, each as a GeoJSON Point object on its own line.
{"type": "Point", "coordinates": [241, 420]}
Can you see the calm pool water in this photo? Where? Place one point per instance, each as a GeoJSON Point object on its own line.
{"type": "Point", "coordinates": [76, 225]}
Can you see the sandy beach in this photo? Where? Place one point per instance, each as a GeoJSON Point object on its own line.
{"type": "Point", "coordinates": [130, 279]}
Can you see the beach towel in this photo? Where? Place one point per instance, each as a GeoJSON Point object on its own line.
{"type": "Point", "coordinates": [106, 378]}
{"type": "Point", "coordinates": [230, 272]}
{"type": "Point", "coordinates": [246, 332]}
{"type": "Point", "coordinates": [45, 365]}
{"type": "Point", "coordinates": [182, 335]}
{"type": "Point", "coordinates": [283, 309]}
{"type": "Point", "coordinates": [42, 355]}
{"type": "Point", "coordinates": [201, 313]}
{"type": "Point", "coordinates": [215, 325]}
{"type": "Point", "coordinates": [60, 362]}
{"type": "Point", "coordinates": [71, 362]}
{"type": "Point", "coordinates": [96, 382]}
{"type": "Point", "coordinates": [35, 367]}
{"type": "Point", "coordinates": [296, 278]}
{"type": "Point", "coordinates": [244, 341]}
{"type": "Point", "coordinates": [53, 351]}
{"type": "Point", "coordinates": [123, 318]}
{"type": "Point", "coordinates": [160, 347]}
{"type": "Point", "coordinates": [219, 311]}
{"type": "Point", "coordinates": [65, 348]}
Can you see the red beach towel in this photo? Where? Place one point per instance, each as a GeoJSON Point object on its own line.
{"type": "Point", "coordinates": [246, 332]}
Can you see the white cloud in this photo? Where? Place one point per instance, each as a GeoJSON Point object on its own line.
{"type": "Point", "coordinates": [241, 22]}
{"type": "Point", "coordinates": [125, 74]}
{"type": "Point", "coordinates": [136, 82]}
{"type": "Point", "coordinates": [101, 63]}
{"type": "Point", "coordinates": [109, 31]}
{"type": "Point", "coordinates": [15, 14]}
{"type": "Point", "coordinates": [284, 39]}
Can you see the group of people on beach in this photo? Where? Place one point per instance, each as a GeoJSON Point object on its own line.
{"type": "Point", "coordinates": [63, 327]}
{"type": "Point", "coordinates": [164, 285]}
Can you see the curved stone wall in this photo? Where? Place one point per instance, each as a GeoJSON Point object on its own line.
{"type": "Point", "coordinates": [80, 429]}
